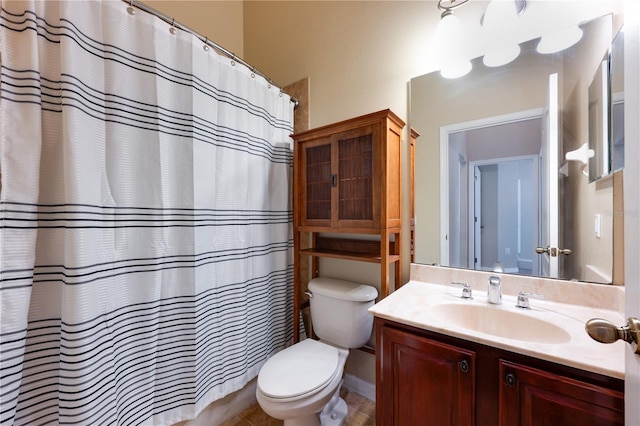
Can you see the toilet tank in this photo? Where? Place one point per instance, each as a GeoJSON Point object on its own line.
{"type": "Point", "coordinates": [339, 311]}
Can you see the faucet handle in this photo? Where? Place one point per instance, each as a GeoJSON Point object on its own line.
{"type": "Point", "coordinates": [466, 289]}
{"type": "Point", "coordinates": [523, 299]}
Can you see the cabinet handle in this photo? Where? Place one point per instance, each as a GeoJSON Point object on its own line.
{"type": "Point", "coordinates": [334, 181]}
{"type": "Point", "coordinates": [510, 380]}
{"type": "Point", "coordinates": [464, 366]}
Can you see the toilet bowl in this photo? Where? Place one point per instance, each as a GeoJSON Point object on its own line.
{"type": "Point", "coordinates": [298, 382]}
{"type": "Point", "coordinates": [301, 384]}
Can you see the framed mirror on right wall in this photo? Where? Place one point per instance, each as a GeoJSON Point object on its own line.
{"type": "Point", "coordinates": [483, 157]}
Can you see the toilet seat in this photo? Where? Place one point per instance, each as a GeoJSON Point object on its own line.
{"type": "Point", "coordinates": [299, 370]}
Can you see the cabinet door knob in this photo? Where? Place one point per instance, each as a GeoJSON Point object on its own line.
{"type": "Point", "coordinates": [510, 380]}
{"type": "Point", "coordinates": [464, 366]}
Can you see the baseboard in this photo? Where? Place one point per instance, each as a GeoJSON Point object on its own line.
{"type": "Point", "coordinates": [359, 386]}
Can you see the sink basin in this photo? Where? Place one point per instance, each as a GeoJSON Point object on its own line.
{"type": "Point", "coordinates": [499, 322]}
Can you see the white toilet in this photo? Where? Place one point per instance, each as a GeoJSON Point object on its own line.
{"type": "Point", "coordinates": [301, 384]}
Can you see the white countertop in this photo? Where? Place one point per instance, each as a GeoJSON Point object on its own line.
{"type": "Point", "coordinates": [413, 303]}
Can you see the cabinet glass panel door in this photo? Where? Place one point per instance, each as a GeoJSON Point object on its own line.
{"type": "Point", "coordinates": [318, 191]}
{"type": "Point", "coordinates": [355, 178]}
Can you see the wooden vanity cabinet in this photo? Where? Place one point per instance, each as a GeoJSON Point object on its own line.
{"type": "Point", "coordinates": [427, 380]}
{"type": "Point", "coordinates": [420, 381]}
{"type": "Point", "coordinates": [347, 191]}
{"type": "Point", "coordinates": [529, 396]}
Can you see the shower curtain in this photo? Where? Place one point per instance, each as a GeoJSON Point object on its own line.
{"type": "Point", "coordinates": [145, 241]}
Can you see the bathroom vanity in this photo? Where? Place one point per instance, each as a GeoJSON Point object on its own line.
{"type": "Point", "coordinates": [431, 378]}
{"type": "Point", "coordinates": [444, 360]}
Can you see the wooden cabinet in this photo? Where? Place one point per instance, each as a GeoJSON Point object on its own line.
{"type": "Point", "coordinates": [338, 180]}
{"type": "Point", "coordinates": [420, 381]}
{"type": "Point", "coordinates": [348, 180]}
{"type": "Point", "coordinates": [429, 380]}
{"type": "Point", "coordinates": [529, 396]}
{"type": "Point", "coordinates": [347, 176]}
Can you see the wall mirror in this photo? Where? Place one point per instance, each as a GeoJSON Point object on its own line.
{"type": "Point", "coordinates": [493, 182]}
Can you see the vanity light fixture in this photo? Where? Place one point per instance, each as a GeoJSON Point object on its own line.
{"type": "Point", "coordinates": [499, 23]}
{"type": "Point", "coordinates": [559, 40]}
{"type": "Point", "coordinates": [450, 41]}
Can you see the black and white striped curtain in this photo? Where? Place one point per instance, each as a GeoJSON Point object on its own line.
{"type": "Point", "coordinates": [145, 218]}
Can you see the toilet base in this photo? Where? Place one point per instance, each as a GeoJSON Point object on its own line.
{"type": "Point", "coordinates": [335, 412]}
{"type": "Point", "coordinates": [312, 420]}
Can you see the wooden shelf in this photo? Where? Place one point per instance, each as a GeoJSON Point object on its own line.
{"type": "Point", "coordinates": [336, 254]}
{"type": "Point", "coordinates": [350, 249]}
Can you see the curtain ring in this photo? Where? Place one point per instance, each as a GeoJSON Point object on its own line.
{"type": "Point", "coordinates": [233, 59]}
{"type": "Point", "coordinates": [253, 72]}
{"type": "Point", "coordinates": [206, 44]}
{"type": "Point", "coordinates": [173, 30]}
{"type": "Point", "coordinates": [131, 9]}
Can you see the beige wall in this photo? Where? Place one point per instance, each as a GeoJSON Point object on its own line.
{"type": "Point", "coordinates": [354, 53]}
{"type": "Point", "coordinates": [357, 57]}
{"type": "Point", "coordinates": [219, 20]}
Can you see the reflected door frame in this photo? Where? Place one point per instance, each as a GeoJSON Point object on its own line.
{"type": "Point", "coordinates": [475, 210]}
{"type": "Point", "coordinates": [445, 133]}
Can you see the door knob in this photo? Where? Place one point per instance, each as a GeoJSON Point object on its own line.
{"type": "Point", "coordinates": [553, 251]}
{"type": "Point", "coordinates": [604, 331]}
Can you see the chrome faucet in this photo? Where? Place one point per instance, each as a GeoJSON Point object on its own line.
{"type": "Point", "coordinates": [466, 290]}
{"type": "Point", "coordinates": [494, 292]}
{"type": "Point", "coordinates": [523, 299]}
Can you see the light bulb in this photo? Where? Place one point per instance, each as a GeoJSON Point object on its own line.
{"type": "Point", "coordinates": [456, 69]}
{"type": "Point", "coordinates": [451, 47]}
{"type": "Point", "coordinates": [559, 40]}
{"type": "Point", "coordinates": [501, 55]}
{"type": "Point", "coordinates": [499, 23]}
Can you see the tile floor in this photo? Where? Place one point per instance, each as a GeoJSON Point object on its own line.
{"type": "Point", "coordinates": [362, 412]}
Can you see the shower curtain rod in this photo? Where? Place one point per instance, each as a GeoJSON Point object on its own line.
{"type": "Point", "coordinates": [145, 8]}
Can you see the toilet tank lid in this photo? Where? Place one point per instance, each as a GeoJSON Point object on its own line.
{"type": "Point", "coordinates": [343, 290]}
